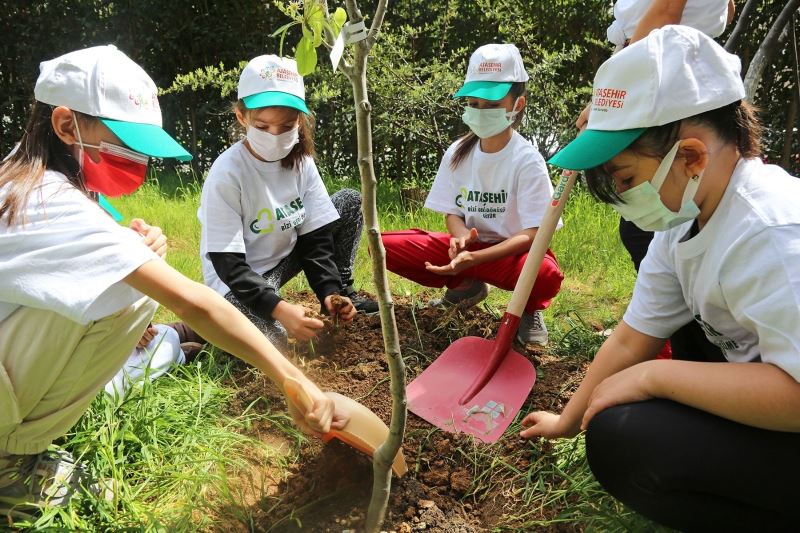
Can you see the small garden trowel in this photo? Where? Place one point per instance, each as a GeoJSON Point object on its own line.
{"type": "Point", "coordinates": [364, 430]}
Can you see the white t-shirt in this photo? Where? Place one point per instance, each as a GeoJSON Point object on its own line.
{"type": "Point", "coordinates": [68, 257]}
{"type": "Point", "coordinates": [739, 277]}
{"type": "Point", "coordinates": [499, 194]}
{"type": "Point", "coordinates": [258, 209]}
{"type": "Point", "coordinates": [708, 16]}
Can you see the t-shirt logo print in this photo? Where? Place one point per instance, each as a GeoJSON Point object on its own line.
{"type": "Point", "coordinates": [462, 195]}
{"type": "Point", "coordinates": [262, 224]}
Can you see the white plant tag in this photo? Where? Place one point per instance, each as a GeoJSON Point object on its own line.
{"type": "Point", "coordinates": [355, 32]}
{"type": "Point", "coordinates": [337, 50]}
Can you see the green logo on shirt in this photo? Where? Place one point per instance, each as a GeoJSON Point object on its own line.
{"type": "Point", "coordinates": [482, 197]}
{"type": "Point", "coordinates": [264, 219]}
{"type": "Point", "coordinates": [262, 223]}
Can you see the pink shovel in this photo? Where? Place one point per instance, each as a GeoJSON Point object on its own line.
{"type": "Point", "coordinates": [479, 385]}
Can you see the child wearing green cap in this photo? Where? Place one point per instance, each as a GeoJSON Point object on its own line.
{"type": "Point", "coordinates": [493, 189]}
{"type": "Point", "coordinates": [77, 290]}
{"type": "Point", "coordinates": [695, 445]}
{"type": "Point", "coordinates": [266, 215]}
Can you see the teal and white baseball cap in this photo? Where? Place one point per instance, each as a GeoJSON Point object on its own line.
{"type": "Point", "coordinates": [676, 72]}
{"type": "Point", "coordinates": [270, 80]}
{"type": "Point", "coordinates": [492, 69]}
{"type": "Point", "coordinates": [105, 83]}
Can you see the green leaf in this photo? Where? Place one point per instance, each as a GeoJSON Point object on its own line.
{"type": "Point", "coordinates": [306, 56]}
{"type": "Point", "coordinates": [283, 28]}
{"type": "Point", "coordinates": [315, 20]}
{"type": "Point", "coordinates": [339, 18]}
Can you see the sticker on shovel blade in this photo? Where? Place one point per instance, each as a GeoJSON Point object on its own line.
{"type": "Point", "coordinates": [562, 184]}
{"type": "Point", "coordinates": [488, 414]}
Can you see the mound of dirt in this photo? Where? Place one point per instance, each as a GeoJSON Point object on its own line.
{"type": "Point", "coordinates": [328, 486]}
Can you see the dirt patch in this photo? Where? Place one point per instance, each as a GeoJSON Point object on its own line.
{"type": "Point", "coordinates": [451, 485]}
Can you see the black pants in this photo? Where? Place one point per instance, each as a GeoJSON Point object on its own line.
{"type": "Point", "coordinates": [346, 237]}
{"type": "Point", "coordinates": [689, 343]}
{"type": "Point", "coordinates": [694, 471]}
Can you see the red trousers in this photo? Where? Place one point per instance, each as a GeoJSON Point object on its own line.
{"type": "Point", "coordinates": [407, 251]}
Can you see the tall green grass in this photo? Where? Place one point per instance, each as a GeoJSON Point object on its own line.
{"type": "Point", "coordinates": [174, 453]}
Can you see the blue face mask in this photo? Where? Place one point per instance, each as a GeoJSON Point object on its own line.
{"type": "Point", "coordinates": [489, 122]}
{"type": "Point", "coordinates": [643, 205]}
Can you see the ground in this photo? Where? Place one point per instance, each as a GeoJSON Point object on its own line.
{"type": "Point", "coordinates": [449, 486]}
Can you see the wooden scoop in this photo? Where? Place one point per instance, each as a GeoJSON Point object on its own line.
{"type": "Point", "coordinates": [364, 430]}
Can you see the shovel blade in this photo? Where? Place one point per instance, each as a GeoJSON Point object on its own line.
{"type": "Point", "coordinates": [435, 394]}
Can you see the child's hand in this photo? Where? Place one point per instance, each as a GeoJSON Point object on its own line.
{"type": "Point", "coordinates": [459, 244]}
{"type": "Point", "coordinates": [319, 417]}
{"type": "Point", "coordinates": [460, 262]}
{"type": "Point", "coordinates": [152, 236]}
{"type": "Point", "coordinates": [544, 424]}
{"type": "Point", "coordinates": [346, 311]}
{"type": "Point", "coordinates": [294, 319]}
{"type": "Point", "coordinates": [149, 334]}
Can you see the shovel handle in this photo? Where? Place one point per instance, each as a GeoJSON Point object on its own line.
{"type": "Point", "coordinates": [541, 242]}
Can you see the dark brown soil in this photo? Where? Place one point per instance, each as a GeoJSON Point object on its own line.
{"type": "Point", "coordinates": [328, 486]}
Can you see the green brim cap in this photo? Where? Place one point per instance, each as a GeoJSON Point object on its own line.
{"type": "Point", "coordinates": [147, 139]}
{"type": "Point", "coordinates": [275, 98]}
{"type": "Point", "coordinates": [593, 148]}
{"type": "Point", "coordinates": [488, 90]}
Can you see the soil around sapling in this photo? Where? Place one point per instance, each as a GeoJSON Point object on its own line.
{"type": "Point", "coordinates": [327, 487]}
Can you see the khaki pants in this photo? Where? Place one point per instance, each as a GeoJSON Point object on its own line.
{"type": "Point", "coordinates": [51, 369]}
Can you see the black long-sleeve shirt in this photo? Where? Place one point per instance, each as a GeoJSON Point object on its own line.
{"type": "Point", "coordinates": [315, 253]}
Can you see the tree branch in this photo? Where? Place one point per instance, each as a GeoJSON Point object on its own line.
{"type": "Point", "coordinates": [769, 46]}
{"type": "Point", "coordinates": [375, 27]}
{"type": "Point", "coordinates": [741, 25]}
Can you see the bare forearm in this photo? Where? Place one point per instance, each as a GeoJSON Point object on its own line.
{"type": "Point", "coordinates": [626, 347]}
{"type": "Point", "coordinates": [455, 226]}
{"type": "Point", "coordinates": [659, 14]}
{"type": "Point", "coordinates": [514, 245]}
{"type": "Point", "coordinates": [212, 317]}
{"type": "Point", "coordinates": [755, 394]}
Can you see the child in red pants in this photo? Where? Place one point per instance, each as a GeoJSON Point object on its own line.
{"type": "Point", "coordinates": [493, 188]}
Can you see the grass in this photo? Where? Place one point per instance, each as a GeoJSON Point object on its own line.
{"type": "Point", "coordinates": [174, 454]}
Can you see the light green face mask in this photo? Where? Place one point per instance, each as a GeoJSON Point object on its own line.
{"type": "Point", "coordinates": [643, 205]}
{"type": "Point", "coordinates": [489, 122]}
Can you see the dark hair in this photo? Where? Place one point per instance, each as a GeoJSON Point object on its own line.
{"type": "Point", "coordinates": [39, 149]}
{"type": "Point", "coordinates": [468, 141]}
{"type": "Point", "coordinates": [736, 123]}
{"type": "Point", "coordinates": [305, 144]}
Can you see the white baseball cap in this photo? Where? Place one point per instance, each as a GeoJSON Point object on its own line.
{"type": "Point", "coordinates": [105, 83]}
{"type": "Point", "coordinates": [270, 80]}
{"type": "Point", "coordinates": [674, 73]}
{"type": "Point", "coordinates": [492, 69]}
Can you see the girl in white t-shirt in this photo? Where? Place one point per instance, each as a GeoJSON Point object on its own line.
{"type": "Point", "coordinates": [266, 215]}
{"type": "Point", "coordinates": [75, 287]}
{"type": "Point", "coordinates": [695, 445]}
{"type": "Point", "coordinates": [493, 188]}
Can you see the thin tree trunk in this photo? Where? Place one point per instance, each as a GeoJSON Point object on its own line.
{"type": "Point", "coordinates": [769, 46]}
{"type": "Point", "coordinates": [384, 455]}
{"type": "Point", "coordinates": [788, 136]}
{"type": "Point", "coordinates": [742, 24]}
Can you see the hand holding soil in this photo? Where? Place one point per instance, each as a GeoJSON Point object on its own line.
{"type": "Point", "coordinates": [340, 307]}
{"type": "Point", "coordinates": [297, 320]}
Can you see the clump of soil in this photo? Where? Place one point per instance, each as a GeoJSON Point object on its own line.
{"type": "Point", "coordinates": [328, 486]}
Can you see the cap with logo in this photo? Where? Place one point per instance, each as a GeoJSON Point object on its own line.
{"type": "Point", "coordinates": [105, 83]}
{"type": "Point", "coordinates": [674, 73]}
{"type": "Point", "coordinates": [270, 80]}
{"type": "Point", "coordinates": [492, 69]}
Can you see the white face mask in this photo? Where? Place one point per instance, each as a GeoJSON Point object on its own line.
{"type": "Point", "coordinates": [272, 147]}
{"type": "Point", "coordinates": [489, 122]}
{"type": "Point", "coordinates": [643, 205]}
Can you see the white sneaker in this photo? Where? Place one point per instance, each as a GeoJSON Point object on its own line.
{"type": "Point", "coordinates": [532, 329]}
{"type": "Point", "coordinates": [28, 482]}
{"type": "Point", "coordinates": [473, 294]}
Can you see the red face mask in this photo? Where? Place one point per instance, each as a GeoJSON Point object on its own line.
{"type": "Point", "coordinates": [120, 171]}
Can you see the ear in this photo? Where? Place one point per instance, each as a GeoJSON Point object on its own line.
{"type": "Point", "coordinates": [63, 122]}
{"type": "Point", "coordinates": [521, 103]}
{"type": "Point", "coordinates": [694, 152]}
{"type": "Point", "coordinates": [241, 118]}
